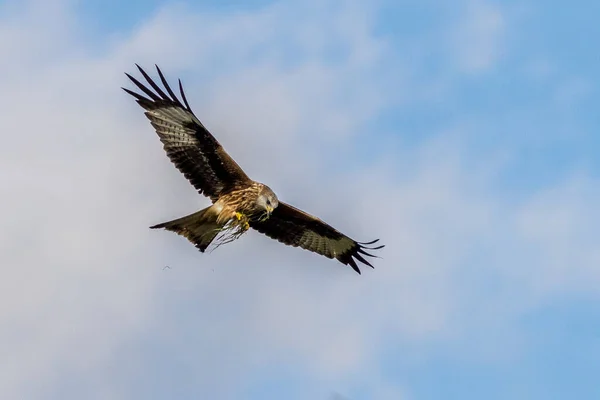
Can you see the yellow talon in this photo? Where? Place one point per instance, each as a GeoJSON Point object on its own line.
{"type": "Point", "coordinates": [239, 216]}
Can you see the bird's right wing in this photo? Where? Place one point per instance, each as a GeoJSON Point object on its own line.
{"type": "Point", "coordinates": [189, 145]}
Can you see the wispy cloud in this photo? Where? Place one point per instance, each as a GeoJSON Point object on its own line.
{"type": "Point", "coordinates": [294, 93]}
{"type": "Point", "coordinates": [477, 40]}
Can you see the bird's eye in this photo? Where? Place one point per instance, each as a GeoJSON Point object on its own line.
{"type": "Point", "coordinates": [268, 202]}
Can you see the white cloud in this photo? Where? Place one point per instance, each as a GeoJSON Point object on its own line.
{"type": "Point", "coordinates": [562, 224]}
{"type": "Point", "coordinates": [84, 176]}
{"type": "Point", "coordinates": [81, 184]}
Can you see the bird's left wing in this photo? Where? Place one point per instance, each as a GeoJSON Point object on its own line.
{"type": "Point", "coordinates": [189, 145]}
{"type": "Point", "coordinates": [294, 227]}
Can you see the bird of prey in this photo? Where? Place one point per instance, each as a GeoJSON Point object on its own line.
{"type": "Point", "coordinates": [238, 202]}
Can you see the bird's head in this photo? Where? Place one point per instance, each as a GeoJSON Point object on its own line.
{"type": "Point", "coordinates": [267, 200]}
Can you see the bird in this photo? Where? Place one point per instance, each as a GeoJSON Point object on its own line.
{"type": "Point", "coordinates": [238, 202]}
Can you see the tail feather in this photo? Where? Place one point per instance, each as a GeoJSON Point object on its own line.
{"type": "Point", "coordinates": [200, 228]}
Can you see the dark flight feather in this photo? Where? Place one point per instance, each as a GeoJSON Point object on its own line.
{"type": "Point", "coordinates": [294, 227]}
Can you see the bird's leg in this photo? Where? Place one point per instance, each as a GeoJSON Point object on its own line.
{"type": "Point", "coordinates": [241, 217]}
{"type": "Point", "coordinates": [245, 224]}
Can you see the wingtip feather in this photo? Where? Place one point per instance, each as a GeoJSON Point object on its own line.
{"type": "Point", "coordinates": [166, 85]}
{"type": "Point", "coordinates": [183, 96]}
{"type": "Point", "coordinates": [362, 260]}
{"type": "Point", "coordinates": [352, 263]}
{"type": "Point", "coordinates": [371, 242]}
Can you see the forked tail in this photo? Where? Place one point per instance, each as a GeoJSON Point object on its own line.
{"type": "Point", "coordinates": [200, 228]}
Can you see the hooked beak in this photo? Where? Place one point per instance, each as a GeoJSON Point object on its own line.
{"type": "Point", "coordinates": [269, 209]}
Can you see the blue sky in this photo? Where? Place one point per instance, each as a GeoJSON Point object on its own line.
{"type": "Point", "coordinates": [465, 135]}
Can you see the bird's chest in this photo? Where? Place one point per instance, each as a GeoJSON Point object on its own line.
{"type": "Point", "coordinates": [238, 201]}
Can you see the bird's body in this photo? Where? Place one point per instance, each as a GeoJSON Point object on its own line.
{"type": "Point", "coordinates": [239, 203]}
{"type": "Point", "coordinates": [228, 218]}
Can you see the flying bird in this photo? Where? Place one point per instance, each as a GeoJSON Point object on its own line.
{"type": "Point", "coordinates": [238, 202]}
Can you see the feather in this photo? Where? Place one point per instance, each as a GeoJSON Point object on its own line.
{"type": "Point", "coordinates": [294, 227]}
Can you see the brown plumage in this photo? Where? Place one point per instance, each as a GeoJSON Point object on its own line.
{"type": "Point", "coordinates": [239, 203]}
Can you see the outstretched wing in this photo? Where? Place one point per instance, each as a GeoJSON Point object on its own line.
{"type": "Point", "coordinates": [294, 227]}
{"type": "Point", "coordinates": [189, 145]}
